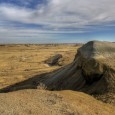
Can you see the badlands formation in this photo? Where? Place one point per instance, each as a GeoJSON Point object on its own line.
{"type": "Point", "coordinates": [92, 72]}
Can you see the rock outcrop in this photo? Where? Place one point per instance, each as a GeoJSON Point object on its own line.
{"type": "Point", "coordinates": [54, 60]}
{"type": "Point", "coordinates": [92, 71]}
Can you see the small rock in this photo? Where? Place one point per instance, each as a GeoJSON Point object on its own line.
{"type": "Point", "coordinates": [53, 60]}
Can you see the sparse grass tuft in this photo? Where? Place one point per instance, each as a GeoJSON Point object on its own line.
{"type": "Point", "coordinates": [41, 86]}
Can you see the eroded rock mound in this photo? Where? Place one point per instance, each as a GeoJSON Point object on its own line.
{"type": "Point", "coordinates": [54, 60]}
{"type": "Point", "coordinates": [92, 71]}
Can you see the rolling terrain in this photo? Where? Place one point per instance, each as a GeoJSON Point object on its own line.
{"type": "Point", "coordinates": [29, 86]}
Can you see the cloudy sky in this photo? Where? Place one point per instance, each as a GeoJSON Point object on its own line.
{"type": "Point", "coordinates": [56, 21]}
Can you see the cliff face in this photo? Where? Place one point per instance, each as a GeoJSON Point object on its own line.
{"type": "Point", "coordinates": [92, 71]}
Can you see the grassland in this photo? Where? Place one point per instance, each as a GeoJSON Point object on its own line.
{"type": "Point", "coordinates": [20, 62]}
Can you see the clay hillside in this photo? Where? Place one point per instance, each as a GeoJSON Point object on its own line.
{"type": "Point", "coordinates": [86, 86]}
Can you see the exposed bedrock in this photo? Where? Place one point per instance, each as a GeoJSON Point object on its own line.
{"type": "Point", "coordinates": [92, 71]}
{"type": "Point", "coordinates": [53, 60]}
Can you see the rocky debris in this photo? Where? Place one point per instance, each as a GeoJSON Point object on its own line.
{"type": "Point", "coordinates": [107, 98]}
{"type": "Point", "coordinates": [54, 60]}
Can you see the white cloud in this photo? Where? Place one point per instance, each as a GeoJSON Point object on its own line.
{"type": "Point", "coordinates": [63, 13]}
{"type": "Point", "coordinates": [57, 16]}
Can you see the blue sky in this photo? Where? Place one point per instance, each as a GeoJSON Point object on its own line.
{"type": "Point", "coordinates": [56, 21]}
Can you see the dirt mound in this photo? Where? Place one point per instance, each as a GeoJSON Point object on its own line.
{"type": "Point", "coordinates": [41, 102]}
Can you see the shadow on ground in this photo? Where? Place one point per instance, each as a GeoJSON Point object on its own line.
{"type": "Point", "coordinates": [31, 83]}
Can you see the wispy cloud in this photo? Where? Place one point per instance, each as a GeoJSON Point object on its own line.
{"type": "Point", "coordinates": [66, 13]}
{"type": "Point", "coordinates": [56, 16]}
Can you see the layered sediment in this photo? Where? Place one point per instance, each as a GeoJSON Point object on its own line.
{"type": "Point", "coordinates": [92, 71]}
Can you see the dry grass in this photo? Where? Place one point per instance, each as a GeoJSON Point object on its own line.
{"type": "Point", "coordinates": [20, 62]}
{"type": "Point", "coordinates": [42, 102]}
{"type": "Point", "coordinates": [42, 86]}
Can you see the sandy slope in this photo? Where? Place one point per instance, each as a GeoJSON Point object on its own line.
{"type": "Point", "coordinates": [42, 102]}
